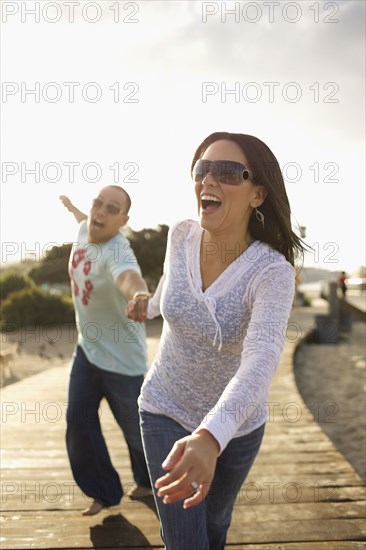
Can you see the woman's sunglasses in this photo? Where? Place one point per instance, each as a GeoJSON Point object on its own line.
{"type": "Point", "coordinates": [111, 208]}
{"type": "Point", "coordinates": [223, 171]}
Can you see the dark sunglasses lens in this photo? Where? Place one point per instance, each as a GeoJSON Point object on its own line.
{"type": "Point", "coordinates": [233, 173]}
{"type": "Point", "coordinates": [112, 209]}
{"type": "Point", "coordinates": [231, 177]}
{"type": "Point", "coordinates": [200, 170]}
{"type": "Point", "coordinates": [229, 172]}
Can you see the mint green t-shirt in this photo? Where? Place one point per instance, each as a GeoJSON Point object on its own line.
{"type": "Point", "coordinates": [109, 339]}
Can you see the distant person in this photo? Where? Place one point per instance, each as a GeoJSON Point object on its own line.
{"type": "Point", "coordinates": [342, 278]}
{"type": "Point", "coordinates": [110, 359]}
{"type": "Point", "coordinates": [225, 296]}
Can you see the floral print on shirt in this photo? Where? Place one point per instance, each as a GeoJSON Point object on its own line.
{"type": "Point", "coordinates": [77, 259]}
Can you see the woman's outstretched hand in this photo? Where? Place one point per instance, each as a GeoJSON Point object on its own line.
{"type": "Point", "coordinates": [191, 460]}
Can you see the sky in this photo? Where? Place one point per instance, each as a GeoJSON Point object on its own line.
{"type": "Point", "coordinates": [115, 92]}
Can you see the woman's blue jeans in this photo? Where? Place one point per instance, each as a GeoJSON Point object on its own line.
{"type": "Point", "coordinates": [205, 526]}
{"type": "Point", "coordinates": [88, 454]}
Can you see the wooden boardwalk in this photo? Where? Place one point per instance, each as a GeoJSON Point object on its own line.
{"type": "Point", "coordinates": [301, 493]}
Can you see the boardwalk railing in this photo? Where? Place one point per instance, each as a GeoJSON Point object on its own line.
{"type": "Point", "coordinates": [342, 313]}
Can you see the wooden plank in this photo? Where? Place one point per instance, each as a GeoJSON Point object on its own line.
{"type": "Point", "coordinates": [66, 495]}
{"type": "Point", "coordinates": [70, 531]}
{"type": "Point", "coordinates": [316, 471]}
{"type": "Point", "coordinates": [298, 531]}
{"type": "Point", "coordinates": [329, 545]}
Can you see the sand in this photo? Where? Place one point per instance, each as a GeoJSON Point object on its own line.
{"type": "Point", "coordinates": [32, 351]}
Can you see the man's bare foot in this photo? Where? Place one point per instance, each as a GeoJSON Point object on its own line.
{"type": "Point", "coordinates": [139, 492]}
{"type": "Point", "coordinates": [93, 509]}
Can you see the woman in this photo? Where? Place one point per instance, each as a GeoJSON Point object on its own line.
{"type": "Point", "coordinates": [225, 297]}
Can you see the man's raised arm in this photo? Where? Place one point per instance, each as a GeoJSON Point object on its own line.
{"type": "Point", "coordinates": [78, 215]}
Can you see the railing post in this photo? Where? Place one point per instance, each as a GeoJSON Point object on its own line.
{"type": "Point", "coordinates": [327, 325]}
{"type": "Point", "coordinates": [333, 300]}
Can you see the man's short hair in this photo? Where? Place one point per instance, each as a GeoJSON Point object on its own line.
{"type": "Point", "coordinates": [127, 196]}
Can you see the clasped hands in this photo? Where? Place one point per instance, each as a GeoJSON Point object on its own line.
{"type": "Point", "coordinates": [137, 307]}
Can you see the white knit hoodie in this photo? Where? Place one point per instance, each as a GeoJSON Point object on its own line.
{"type": "Point", "coordinates": [219, 349]}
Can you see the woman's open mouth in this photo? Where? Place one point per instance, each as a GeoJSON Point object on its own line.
{"type": "Point", "coordinates": [210, 203]}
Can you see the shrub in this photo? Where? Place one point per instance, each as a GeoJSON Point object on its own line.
{"type": "Point", "coordinates": [54, 267]}
{"type": "Point", "coordinates": [149, 246]}
{"type": "Point", "coordinates": [33, 306]}
{"type": "Point", "coordinates": [12, 282]}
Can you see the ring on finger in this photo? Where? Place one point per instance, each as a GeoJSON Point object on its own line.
{"type": "Point", "coordinates": [195, 486]}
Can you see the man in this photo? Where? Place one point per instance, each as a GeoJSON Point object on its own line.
{"type": "Point", "coordinates": [110, 359]}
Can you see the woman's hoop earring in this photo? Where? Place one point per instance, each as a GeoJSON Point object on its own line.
{"type": "Point", "coordinates": [260, 217]}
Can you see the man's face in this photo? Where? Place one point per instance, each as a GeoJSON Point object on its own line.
{"type": "Point", "coordinates": [107, 215]}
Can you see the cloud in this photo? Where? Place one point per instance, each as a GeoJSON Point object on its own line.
{"type": "Point", "coordinates": [325, 59]}
{"type": "Point", "coordinates": [289, 50]}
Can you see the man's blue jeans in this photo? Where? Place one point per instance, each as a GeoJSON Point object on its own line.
{"type": "Point", "coordinates": [202, 527]}
{"type": "Point", "coordinates": [88, 454]}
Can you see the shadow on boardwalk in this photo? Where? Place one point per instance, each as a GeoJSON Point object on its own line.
{"type": "Point", "coordinates": [301, 492]}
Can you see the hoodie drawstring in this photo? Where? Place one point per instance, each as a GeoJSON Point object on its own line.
{"type": "Point", "coordinates": [211, 306]}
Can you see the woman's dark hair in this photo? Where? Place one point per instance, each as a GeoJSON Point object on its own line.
{"type": "Point", "coordinates": [265, 170]}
